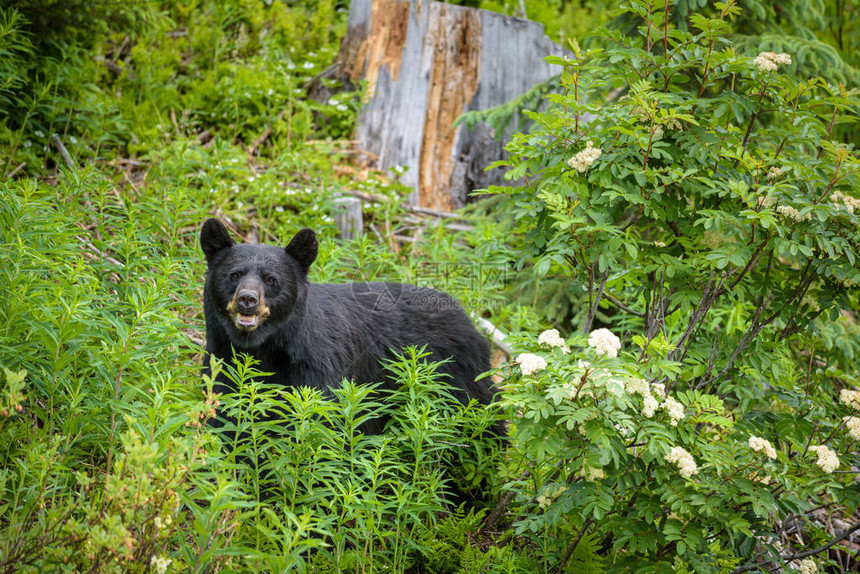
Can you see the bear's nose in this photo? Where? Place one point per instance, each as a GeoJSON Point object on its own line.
{"type": "Point", "coordinates": [247, 299]}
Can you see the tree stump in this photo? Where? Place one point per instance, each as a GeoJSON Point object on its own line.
{"type": "Point", "coordinates": [425, 64]}
{"type": "Point", "coordinates": [348, 216]}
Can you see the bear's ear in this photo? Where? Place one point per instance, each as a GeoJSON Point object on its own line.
{"type": "Point", "coordinates": [214, 238]}
{"type": "Point", "coordinates": [303, 248]}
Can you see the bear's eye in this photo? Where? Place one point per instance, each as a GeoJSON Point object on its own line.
{"type": "Point", "coordinates": [270, 280]}
{"type": "Point", "coordinates": [235, 275]}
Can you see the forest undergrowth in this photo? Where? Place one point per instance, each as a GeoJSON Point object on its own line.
{"type": "Point", "coordinates": [674, 263]}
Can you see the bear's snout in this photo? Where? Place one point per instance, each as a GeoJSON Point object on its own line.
{"type": "Point", "coordinates": [248, 308]}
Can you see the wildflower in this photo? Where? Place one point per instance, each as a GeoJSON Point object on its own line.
{"type": "Point", "coordinates": [583, 160]}
{"type": "Point", "coordinates": [773, 173]}
{"type": "Point", "coordinates": [759, 444]}
{"type": "Point", "coordinates": [850, 203]}
{"type": "Point", "coordinates": [827, 459]}
{"type": "Point", "coordinates": [544, 501]}
{"type": "Point", "coordinates": [713, 239]}
{"type": "Point", "coordinates": [27, 143]}
{"type": "Point", "coordinates": [791, 213]}
{"type": "Point", "coordinates": [659, 389]}
{"type": "Point", "coordinates": [808, 566]}
{"type": "Point", "coordinates": [649, 406]}
{"type": "Point", "coordinates": [672, 124]}
{"type": "Point", "coordinates": [686, 465]}
{"type": "Point", "coordinates": [591, 474]}
{"type": "Point", "coordinates": [658, 243]}
{"type": "Point", "coordinates": [73, 140]}
{"type": "Point", "coordinates": [39, 133]}
{"type": "Point", "coordinates": [755, 477]}
{"type": "Point", "coordinates": [160, 563]}
{"type": "Point", "coordinates": [853, 425]}
{"type": "Point", "coordinates": [551, 338]}
{"type": "Point", "coordinates": [308, 65]}
{"type": "Point", "coordinates": [674, 409]}
{"type": "Point", "coordinates": [530, 363]}
{"type": "Point", "coordinates": [549, 495]}
{"type": "Point", "coordinates": [637, 386]}
{"type": "Point", "coordinates": [604, 342]}
{"type": "Point", "coordinates": [768, 201]}
{"type": "Point", "coordinates": [770, 62]}
{"type": "Point", "coordinates": [850, 398]}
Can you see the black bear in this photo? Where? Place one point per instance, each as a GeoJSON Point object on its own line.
{"type": "Point", "coordinates": [258, 300]}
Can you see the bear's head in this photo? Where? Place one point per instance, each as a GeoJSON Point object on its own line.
{"type": "Point", "coordinates": [252, 290]}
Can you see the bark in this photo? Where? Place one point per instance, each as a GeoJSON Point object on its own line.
{"type": "Point", "coordinates": [425, 63]}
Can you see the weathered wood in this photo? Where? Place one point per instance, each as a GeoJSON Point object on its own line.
{"type": "Point", "coordinates": [348, 217]}
{"type": "Point", "coordinates": [426, 63]}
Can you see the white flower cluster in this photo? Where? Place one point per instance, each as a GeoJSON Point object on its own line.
{"type": "Point", "coordinates": [807, 566]}
{"type": "Point", "coordinates": [850, 398]}
{"type": "Point", "coordinates": [551, 338]}
{"type": "Point", "coordinates": [768, 201]}
{"type": "Point", "coordinates": [827, 459]}
{"type": "Point", "coordinates": [637, 386]}
{"type": "Point", "coordinates": [686, 465]}
{"type": "Point", "coordinates": [770, 62]}
{"type": "Point", "coordinates": [530, 363]}
{"type": "Point", "coordinates": [545, 500]}
{"type": "Point", "coordinates": [674, 409]}
{"type": "Point", "coordinates": [791, 213]}
{"type": "Point", "coordinates": [759, 444]}
{"type": "Point", "coordinates": [604, 342]}
{"type": "Point", "coordinates": [583, 160]}
{"type": "Point", "coordinates": [160, 564]}
{"type": "Point", "coordinates": [161, 524]}
{"type": "Point", "coordinates": [649, 406]}
{"type": "Point", "coordinates": [853, 425]}
{"type": "Point", "coordinates": [713, 239]}
{"type": "Point", "coordinates": [851, 203]}
{"type": "Point", "coordinates": [591, 474]}
{"type": "Point", "coordinates": [774, 173]}
{"type": "Point", "coordinates": [673, 124]}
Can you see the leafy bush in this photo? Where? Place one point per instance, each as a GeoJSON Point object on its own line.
{"type": "Point", "coordinates": [695, 201]}
{"type": "Point", "coordinates": [108, 462]}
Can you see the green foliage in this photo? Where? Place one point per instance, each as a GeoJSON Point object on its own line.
{"type": "Point", "coordinates": [108, 462]}
{"type": "Point", "coordinates": [715, 233]}
{"type": "Point", "coordinates": [706, 213]}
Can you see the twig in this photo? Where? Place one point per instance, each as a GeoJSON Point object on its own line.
{"type": "Point", "coordinates": [804, 554]}
{"type": "Point", "coordinates": [16, 170]}
{"type": "Point", "coordinates": [592, 311]}
{"type": "Point", "coordinates": [622, 306]}
{"type": "Point", "coordinates": [502, 505]}
{"type": "Point", "coordinates": [252, 149]}
{"type": "Point", "coordinates": [574, 544]}
{"type": "Point", "coordinates": [63, 152]}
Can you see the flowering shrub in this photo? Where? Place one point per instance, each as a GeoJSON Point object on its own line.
{"type": "Point", "coordinates": [696, 200]}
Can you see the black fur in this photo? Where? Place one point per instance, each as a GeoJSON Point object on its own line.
{"type": "Point", "coordinates": [316, 335]}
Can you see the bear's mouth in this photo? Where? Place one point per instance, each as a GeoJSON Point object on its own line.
{"type": "Point", "coordinates": [248, 322]}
